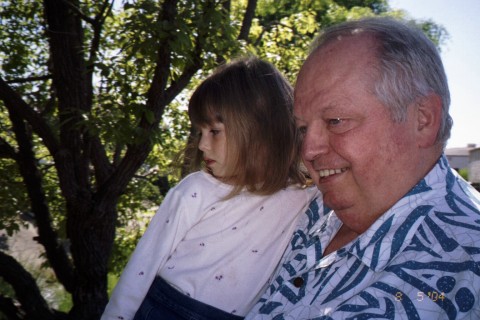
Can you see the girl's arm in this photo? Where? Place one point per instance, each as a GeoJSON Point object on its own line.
{"type": "Point", "coordinates": [168, 226]}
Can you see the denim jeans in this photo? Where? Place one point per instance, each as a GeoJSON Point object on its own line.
{"type": "Point", "coordinates": [163, 302]}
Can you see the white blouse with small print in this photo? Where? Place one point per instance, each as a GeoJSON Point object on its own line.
{"type": "Point", "coordinates": [219, 252]}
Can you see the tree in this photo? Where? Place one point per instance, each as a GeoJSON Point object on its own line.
{"type": "Point", "coordinates": [91, 96]}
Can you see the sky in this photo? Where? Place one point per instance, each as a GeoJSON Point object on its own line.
{"type": "Point", "coordinates": [461, 58]}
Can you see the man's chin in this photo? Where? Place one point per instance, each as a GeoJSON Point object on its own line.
{"type": "Point", "coordinates": [335, 203]}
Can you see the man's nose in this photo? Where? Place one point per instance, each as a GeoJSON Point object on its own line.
{"type": "Point", "coordinates": [315, 143]}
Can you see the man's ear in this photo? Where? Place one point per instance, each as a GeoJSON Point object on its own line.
{"type": "Point", "coordinates": [429, 117]}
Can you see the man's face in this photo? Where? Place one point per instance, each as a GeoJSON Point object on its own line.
{"type": "Point", "coordinates": [358, 157]}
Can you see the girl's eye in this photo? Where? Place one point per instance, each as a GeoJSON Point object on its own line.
{"type": "Point", "coordinates": [302, 130]}
{"type": "Point", "coordinates": [215, 132]}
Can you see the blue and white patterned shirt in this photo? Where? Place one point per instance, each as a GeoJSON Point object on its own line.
{"type": "Point", "coordinates": [420, 260]}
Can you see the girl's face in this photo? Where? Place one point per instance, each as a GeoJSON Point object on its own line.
{"type": "Point", "coordinates": [213, 144]}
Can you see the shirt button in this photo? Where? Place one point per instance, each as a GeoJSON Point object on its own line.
{"type": "Point", "coordinates": [298, 282]}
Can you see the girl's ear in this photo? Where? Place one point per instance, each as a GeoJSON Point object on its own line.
{"type": "Point", "coordinates": [429, 117]}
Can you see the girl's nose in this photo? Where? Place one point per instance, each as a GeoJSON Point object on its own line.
{"type": "Point", "coordinates": [203, 144]}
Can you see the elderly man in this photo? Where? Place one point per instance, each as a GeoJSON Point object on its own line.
{"type": "Point", "coordinates": [397, 235]}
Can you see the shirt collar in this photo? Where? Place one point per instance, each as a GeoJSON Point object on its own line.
{"type": "Point", "coordinates": [394, 230]}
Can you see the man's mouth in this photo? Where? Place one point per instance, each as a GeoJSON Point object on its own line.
{"type": "Point", "coordinates": [324, 173]}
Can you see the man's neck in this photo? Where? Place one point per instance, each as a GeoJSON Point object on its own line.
{"type": "Point", "coordinates": [344, 236]}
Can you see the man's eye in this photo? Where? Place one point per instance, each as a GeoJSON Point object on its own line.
{"type": "Point", "coordinates": [334, 121]}
{"type": "Point", "coordinates": [340, 125]}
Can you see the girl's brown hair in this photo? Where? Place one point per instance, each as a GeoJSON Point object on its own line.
{"type": "Point", "coordinates": [254, 101]}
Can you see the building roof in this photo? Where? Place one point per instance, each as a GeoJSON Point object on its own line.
{"type": "Point", "coordinates": [462, 151]}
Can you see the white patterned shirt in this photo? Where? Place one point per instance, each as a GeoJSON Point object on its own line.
{"type": "Point", "coordinates": [220, 252]}
{"type": "Point", "coordinates": [420, 260]}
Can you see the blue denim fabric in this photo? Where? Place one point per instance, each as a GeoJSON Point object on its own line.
{"type": "Point", "coordinates": [165, 303]}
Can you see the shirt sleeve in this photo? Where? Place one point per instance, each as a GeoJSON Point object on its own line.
{"type": "Point", "coordinates": [166, 229]}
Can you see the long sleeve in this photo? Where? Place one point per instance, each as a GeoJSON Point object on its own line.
{"type": "Point", "coordinates": [220, 252]}
{"type": "Point", "coordinates": [166, 229]}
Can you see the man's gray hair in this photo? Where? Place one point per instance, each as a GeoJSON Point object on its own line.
{"type": "Point", "coordinates": [410, 66]}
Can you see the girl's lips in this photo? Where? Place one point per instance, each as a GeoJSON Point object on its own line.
{"type": "Point", "coordinates": [208, 161]}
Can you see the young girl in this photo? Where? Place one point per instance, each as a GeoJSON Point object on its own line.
{"type": "Point", "coordinates": [218, 235]}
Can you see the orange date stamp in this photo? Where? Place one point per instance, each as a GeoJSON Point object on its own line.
{"type": "Point", "coordinates": [421, 296]}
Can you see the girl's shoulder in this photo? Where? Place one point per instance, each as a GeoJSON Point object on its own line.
{"type": "Point", "coordinates": [201, 181]}
{"type": "Point", "coordinates": [309, 191]}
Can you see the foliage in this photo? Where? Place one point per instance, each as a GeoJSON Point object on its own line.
{"type": "Point", "coordinates": [92, 120]}
{"type": "Point", "coordinates": [463, 173]}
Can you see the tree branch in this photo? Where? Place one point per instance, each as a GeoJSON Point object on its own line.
{"type": "Point", "coordinates": [196, 63]}
{"type": "Point", "coordinates": [97, 32]}
{"type": "Point", "coordinates": [103, 168]}
{"type": "Point", "coordinates": [6, 150]}
{"type": "Point", "coordinates": [15, 104]}
{"type": "Point", "coordinates": [98, 156]}
{"type": "Point", "coordinates": [29, 79]}
{"type": "Point", "coordinates": [247, 20]}
{"type": "Point", "coordinates": [10, 310]}
{"type": "Point", "coordinates": [78, 12]}
{"type": "Point", "coordinates": [33, 181]}
{"type": "Point", "coordinates": [26, 289]}
{"type": "Point", "coordinates": [156, 103]}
